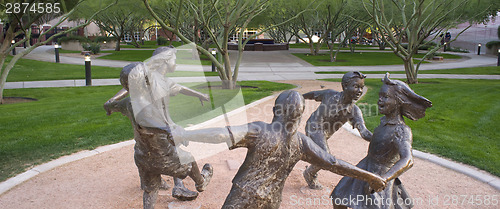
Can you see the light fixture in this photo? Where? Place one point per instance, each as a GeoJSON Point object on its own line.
{"type": "Point", "coordinates": [87, 57]}
{"type": "Point", "coordinates": [13, 41]}
{"type": "Point", "coordinates": [104, 42]}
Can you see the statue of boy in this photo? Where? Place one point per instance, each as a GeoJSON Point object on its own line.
{"type": "Point", "coordinates": [389, 152]}
{"type": "Point", "coordinates": [147, 108]}
{"type": "Point", "coordinates": [336, 108]}
{"type": "Point", "coordinates": [273, 151]}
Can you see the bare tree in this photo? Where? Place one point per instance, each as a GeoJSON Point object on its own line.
{"type": "Point", "coordinates": [22, 22]}
{"type": "Point", "coordinates": [413, 21]}
{"type": "Point", "coordinates": [219, 19]}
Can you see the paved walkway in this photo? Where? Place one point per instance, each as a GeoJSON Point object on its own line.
{"type": "Point", "coordinates": [272, 66]}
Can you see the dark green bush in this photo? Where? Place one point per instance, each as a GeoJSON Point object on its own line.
{"type": "Point", "coordinates": [161, 41]}
{"type": "Point", "coordinates": [490, 44]}
{"type": "Point", "coordinates": [93, 47]}
{"type": "Point", "coordinates": [100, 39]}
{"type": "Point", "coordinates": [82, 39]}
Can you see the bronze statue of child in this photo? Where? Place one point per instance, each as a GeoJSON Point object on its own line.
{"type": "Point", "coordinates": [147, 108]}
{"type": "Point", "coordinates": [389, 152]}
{"type": "Point", "coordinates": [273, 151]}
{"type": "Point", "coordinates": [335, 110]}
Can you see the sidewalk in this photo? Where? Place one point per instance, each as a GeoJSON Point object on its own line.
{"type": "Point", "coordinates": [271, 66]}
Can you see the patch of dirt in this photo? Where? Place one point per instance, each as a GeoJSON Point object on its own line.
{"type": "Point", "coordinates": [13, 100]}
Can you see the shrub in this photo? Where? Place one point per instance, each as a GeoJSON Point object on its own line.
{"type": "Point", "coordinates": [82, 39]}
{"type": "Point", "coordinates": [100, 39]}
{"type": "Point", "coordinates": [161, 41]}
{"type": "Point", "coordinates": [490, 44]}
{"type": "Point", "coordinates": [458, 49]}
{"type": "Point", "coordinates": [95, 48]}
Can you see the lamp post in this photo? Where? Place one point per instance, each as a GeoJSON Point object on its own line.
{"type": "Point", "coordinates": [88, 76]}
{"type": "Point", "coordinates": [214, 53]}
{"type": "Point", "coordinates": [444, 50]}
{"type": "Point", "coordinates": [56, 48]}
{"type": "Point", "coordinates": [13, 49]}
{"type": "Point", "coordinates": [478, 49]}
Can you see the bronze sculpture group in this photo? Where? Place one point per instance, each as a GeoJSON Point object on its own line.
{"type": "Point", "coordinates": [273, 148]}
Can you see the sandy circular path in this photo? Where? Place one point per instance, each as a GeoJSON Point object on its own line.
{"type": "Point", "coordinates": [110, 179]}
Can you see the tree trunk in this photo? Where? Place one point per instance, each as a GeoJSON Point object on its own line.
{"type": "Point", "coordinates": [411, 74]}
{"type": "Point", "coordinates": [228, 84]}
{"type": "Point", "coordinates": [117, 46]}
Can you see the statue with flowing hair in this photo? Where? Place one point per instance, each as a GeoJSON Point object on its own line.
{"type": "Point", "coordinates": [156, 151]}
{"type": "Point", "coordinates": [389, 152]}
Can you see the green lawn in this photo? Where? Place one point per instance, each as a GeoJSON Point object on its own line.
{"type": "Point", "coordinates": [325, 47]}
{"type": "Point", "coordinates": [491, 70]}
{"type": "Point", "coordinates": [32, 70]}
{"type": "Point", "coordinates": [462, 124]}
{"type": "Point", "coordinates": [150, 45]}
{"type": "Point", "coordinates": [141, 55]}
{"type": "Point", "coordinates": [67, 120]}
{"type": "Point", "coordinates": [352, 59]}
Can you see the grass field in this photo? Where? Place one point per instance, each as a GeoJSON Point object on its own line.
{"type": "Point", "coordinates": [66, 120]}
{"type": "Point", "coordinates": [490, 70]}
{"type": "Point", "coordinates": [32, 70]}
{"type": "Point", "coordinates": [361, 59]}
{"type": "Point", "coordinates": [142, 55]}
{"type": "Point", "coordinates": [462, 124]}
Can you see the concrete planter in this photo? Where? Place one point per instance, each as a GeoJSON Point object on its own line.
{"type": "Point", "coordinates": [493, 50]}
{"type": "Point", "coordinates": [108, 44]}
{"type": "Point", "coordinates": [72, 45]}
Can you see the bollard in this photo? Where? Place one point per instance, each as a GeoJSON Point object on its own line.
{"type": "Point", "coordinates": [56, 48]}
{"type": "Point", "coordinates": [479, 49]}
{"type": "Point", "coordinates": [214, 53]}
{"type": "Point", "coordinates": [88, 76]}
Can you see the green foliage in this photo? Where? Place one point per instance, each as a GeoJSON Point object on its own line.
{"type": "Point", "coordinates": [490, 70]}
{"type": "Point", "coordinates": [100, 39]}
{"type": "Point", "coordinates": [161, 41]}
{"type": "Point", "coordinates": [352, 59]}
{"type": "Point", "coordinates": [81, 39]}
{"type": "Point", "coordinates": [93, 47]}
{"type": "Point", "coordinates": [491, 44]}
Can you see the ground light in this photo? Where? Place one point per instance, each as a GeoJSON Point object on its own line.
{"type": "Point", "coordinates": [214, 53]}
{"type": "Point", "coordinates": [88, 76]}
{"type": "Point", "coordinates": [56, 49]}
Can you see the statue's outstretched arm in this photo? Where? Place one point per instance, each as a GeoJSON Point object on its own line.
{"type": "Point", "coordinates": [359, 123]}
{"type": "Point", "coordinates": [313, 154]}
{"type": "Point", "coordinates": [232, 135]}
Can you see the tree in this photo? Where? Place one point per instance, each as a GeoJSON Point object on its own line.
{"type": "Point", "coordinates": [218, 19]}
{"type": "Point", "coordinates": [18, 24]}
{"type": "Point", "coordinates": [412, 21]}
{"type": "Point", "coordinates": [124, 17]}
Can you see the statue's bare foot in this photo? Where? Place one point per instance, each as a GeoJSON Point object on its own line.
{"type": "Point", "coordinates": [184, 194]}
{"type": "Point", "coordinates": [207, 173]}
{"type": "Point", "coordinates": [312, 180]}
{"type": "Point", "coordinates": [164, 185]}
